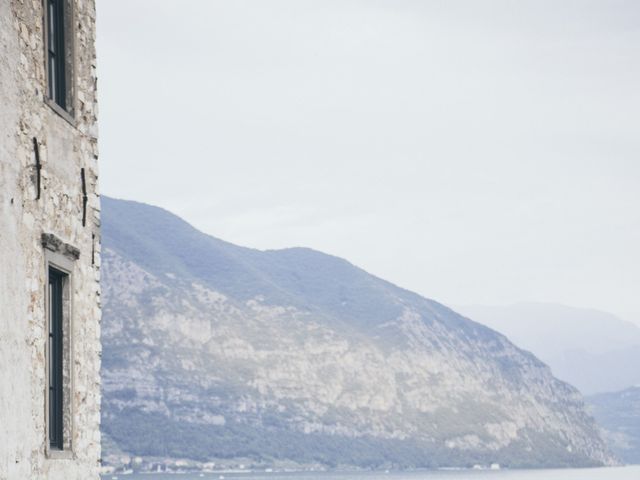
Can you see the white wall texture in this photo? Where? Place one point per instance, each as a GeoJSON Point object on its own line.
{"type": "Point", "coordinates": [65, 148]}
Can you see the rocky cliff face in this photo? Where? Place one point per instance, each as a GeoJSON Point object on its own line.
{"type": "Point", "coordinates": [618, 413]}
{"type": "Point", "coordinates": [213, 351]}
{"type": "Point", "coordinates": [592, 350]}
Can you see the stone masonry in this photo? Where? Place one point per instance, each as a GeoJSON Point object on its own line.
{"type": "Point", "coordinates": [42, 154]}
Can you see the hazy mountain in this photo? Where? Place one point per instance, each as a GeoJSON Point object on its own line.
{"type": "Point", "coordinates": [619, 415]}
{"type": "Point", "coordinates": [594, 351]}
{"type": "Point", "coordinates": [218, 352]}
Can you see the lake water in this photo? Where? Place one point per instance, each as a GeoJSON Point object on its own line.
{"type": "Point", "coordinates": [621, 473]}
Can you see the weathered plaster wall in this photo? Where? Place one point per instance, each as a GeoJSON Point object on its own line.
{"type": "Point", "coordinates": [15, 376]}
{"type": "Point", "coordinates": [65, 148]}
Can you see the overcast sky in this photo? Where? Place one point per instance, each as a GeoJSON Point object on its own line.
{"type": "Point", "coordinates": [477, 152]}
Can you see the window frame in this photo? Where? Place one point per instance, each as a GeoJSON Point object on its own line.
{"type": "Point", "coordinates": [68, 54]}
{"type": "Point", "coordinates": [56, 283]}
{"type": "Point", "coordinates": [64, 266]}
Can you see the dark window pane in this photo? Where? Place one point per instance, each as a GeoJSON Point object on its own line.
{"type": "Point", "coordinates": [52, 76]}
{"type": "Point", "coordinates": [57, 48]}
{"type": "Point", "coordinates": [56, 285]}
{"type": "Point", "coordinates": [52, 27]}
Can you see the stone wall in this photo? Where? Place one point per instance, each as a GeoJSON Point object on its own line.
{"type": "Point", "coordinates": [65, 145]}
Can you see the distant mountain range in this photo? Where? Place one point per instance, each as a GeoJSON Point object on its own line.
{"type": "Point", "coordinates": [594, 351]}
{"type": "Point", "coordinates": [218, 353]}
{"type": "Point", "coordinates": [619, 415]}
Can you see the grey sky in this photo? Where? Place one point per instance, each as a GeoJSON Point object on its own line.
{"type": "Point", "coordinates": [477, 152]}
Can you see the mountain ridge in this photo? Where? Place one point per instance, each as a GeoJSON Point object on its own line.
{"type": "Point", "coordinates": [241, 253]}
{"type": "Point", "coordinates": [618, 413]}
{"type": "Point", "coordinates": [593, 350]}
{"type": "Point", "coordinates": [298, 356]}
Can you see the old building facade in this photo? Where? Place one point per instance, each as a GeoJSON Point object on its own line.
{"type": "Point", "coordinates": [49, 242]}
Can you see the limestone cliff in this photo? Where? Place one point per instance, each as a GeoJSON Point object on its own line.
{"type": "Point", "coordinates": [214, 351]}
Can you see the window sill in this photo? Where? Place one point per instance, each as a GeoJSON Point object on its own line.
{"type": "Point", "coordinates": [60, 454]}
{"type": "Point", "coordinates": [61, 112]}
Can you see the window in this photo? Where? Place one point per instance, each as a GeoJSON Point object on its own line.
{"type": "Point", "coordinates": [58, 52]}
{"type": "Point", "coordinates": [60, 260]}
{"type": "Point", "coordinates": [56, 358]}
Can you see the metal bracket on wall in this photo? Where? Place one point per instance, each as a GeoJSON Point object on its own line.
{"type": "Point", "coordinates": [36, 151]}
{"type": "Point", "coordinates": [84, 198]}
